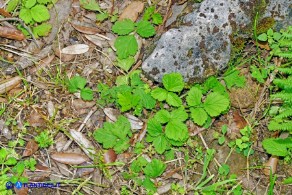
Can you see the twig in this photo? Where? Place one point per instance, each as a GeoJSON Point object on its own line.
{"type": "Point", "coordinates": [80, 127]}
{"type": "Point", "coordinates": [24, 25]}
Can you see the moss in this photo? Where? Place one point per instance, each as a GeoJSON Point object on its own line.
{"type": "Point", "coordinates": [264, 25]}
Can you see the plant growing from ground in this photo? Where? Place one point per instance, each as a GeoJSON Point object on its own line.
{"type": "Point", "coordinates": [244, 143]}
{"type": "Point", "coordinates": [44, 139]}
{"type": "Point", "coordinates": [282, 91]}
{"type": "Point", "coordinates": [77, 84]}
{"type": "Point", "coordinates": [33, 13]}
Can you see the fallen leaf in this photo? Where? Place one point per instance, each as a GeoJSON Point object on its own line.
{"type": "Point", "coordinates": [4, 13]}
{"type": "Point", "coordinates": [69, 158]}
{"type": "Point", "coordinates": [110, 156]}
{"type": "Point", "coordinates": [75, 49]}
{"type": "Point", "coordinates": [97, 40]}
{"type": "Point", "coordinates": [42, 64]}
{"type": "Point", "coordinates": [85, 28]}
{"type": "Point", "coordinates": [134, 121]}
{"type": "Point", "coordinates": [11, 33]}
{"type": "Point", "coordinates": [63, 57]}
{"type": "Point", "coordinates": [9, 84]}
{"type": "Point", "coordinates": [239, 120]}
{"type": "Point", "coordinates": [111, 113]}
{"type": "Point", "coordinates": [132, 11]}
{"type": "Point", "coordinates": [83, 142]}
{"type": "Point", "coordinates": [31, 148]}
{"type": "Point", "coordinates": [80, 104]}
{"type": "Point", "coordinates": [271, 164]}
{"type": "Point", "coordinates": [85, 170]}
{"type": "Point", "coordinates": [35, 119]}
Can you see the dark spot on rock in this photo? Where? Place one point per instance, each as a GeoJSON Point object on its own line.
{"type": "Point", "coordinates": [215, 16]}
{"type": "Point", "coordinates": [175, 63]}
{"type": "Point", "coordinates": [221, 4]}
{"type": "Point", "coordinates": [174, 56]}
{"type": "Point", "coordinates": [162, 47]}
{"type": "Point", "coordinates": [163, 70]}
{"type": "Point", "coordinates": [156, 55]}
{"type": "Point", "coordinates": [179, 47]}
{"type": "Point", "coordinates": [208, 29]}
{"type": "Point", "coordinates": [215, 30]}
{"type": "Point", "coordinates": [154, 71]}
{"type": "Point", "coordinates": [202, 15]}
{"type": "Point", "coordinates": [200, 27]}
{"type": "Point", "coordinates": [224, 25]}
{"type": "Point", "coordinates": [212, 10]}
{"type": "Point", "coordinates": [191, 62]}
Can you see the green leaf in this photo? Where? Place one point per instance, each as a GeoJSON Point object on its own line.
{"type": "Point", "coordinates": [138, 164]}
{"type": "Point", "coordinates": [149, 185]}
{"type": "Point", "coordinates": [169, 155]}
{"type": "Point", "coordinates": [157, 18]}
{"type": "Point", "coordinates": [90, 5]}
{"type": "Point", "coordinates": [160, 144]}
{"type": "Point", "coordinates": [44, 1]}
{"type": "Point", "coordinates": [173, 82]}
{"type": "Point", "coordinates": [176, 131]}
{"type": "Point", "coordinates": [146, 99]}
{"type": "Point", "coordinates": [215, 104]}
{"type": "Point", "coordinates": [162, 116]}
{"type": "Point", "coordinates": [29, 3]}
{"type": "Point", "coordinates": [199, 115]}
{"type": "Point", "coordinates": [234, 79]}
{"type": "Point", "coordinates": [25, 15]}
{"type": "Point", "coordinates": [40, 13]}
{"type": "Point", "coordinates": [145, 29]}
{"type": "Point", "coordinates": [102, 16]}
{"type": "Point", "coordinates": [275, 147]}
{"type": "Point", "coordinates": [179, 114]}
{"type": "Point", "coordinates": [123, 27]}
{"type": "Point", "coordinates": [127, 100]}
{"type": "Point", "coordinates": [86, 94]}
{"type": "Point", "coordinates": [42, 30]}
{"type": "Point", "coordinates": [154, 128]}
{"type": "Point", "coordinates": [12, 4]}
{"type": "Point", "coordinates": [122, 80]}
{"type": "Point", "coordinates": [221, 140]}
{"type": "Point", "coordinates": [258, 74]}
{"type": "Point", "coordinates": [173, 99]}
{"type": "Point", "coordinates": [126, 63]}
{"type": "Point", "coordinates": [11, 161]}
{"type": "Point", "coordinates": [126, 46]}
{"type": "Point", "coordinates": [75, 83]}
{"type": "Point", "coordinates": [148, 13]}
{"type": "Point", "coordinates": [159, 94]}
{"type": "Point", "coordinates": [263, 37]}
{"type": "Point", "coordinates": [194, 97]}
{"type": "Point", "coordinates": [114, 135]}
{"type": "Point", "coordinates": [155, 168]}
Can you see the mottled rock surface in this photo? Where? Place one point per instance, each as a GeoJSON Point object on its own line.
{"type": "Point", "coordinates": [204, 47]}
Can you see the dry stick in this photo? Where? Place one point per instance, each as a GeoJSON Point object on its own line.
{"type": "Point", "coordinates": [80, 128]}
{"type": "Point", "coordinates": [206, 146]}
{"type": "Point", "coordinates": [22, 23]}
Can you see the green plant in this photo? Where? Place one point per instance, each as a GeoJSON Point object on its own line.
{"type": "Point", "coordinates": [151, 15]}
{"type": "Point", "coordinates": [115, 135]}
{"type": "Point", "coordinates": [244, 143]}
{"type": "Point", "coordinates": [232, 78]}
{"type": "Point", "coordinates": [221, 136]}
{"type": "Point", "coordinates": [44, 139]}
{"type": "Point", "coordinates": [134, 96]}
{"type": "Point", "coordinates": [126, 43]}
{"type": "Point", "coordinates": [77, 84]}
{"type": "Point", "coordinates": [33, 12]}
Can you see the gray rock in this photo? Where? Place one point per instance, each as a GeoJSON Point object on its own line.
{"type": "Point", "coordinates": [204, 47]}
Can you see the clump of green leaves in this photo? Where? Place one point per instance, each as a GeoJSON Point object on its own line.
{"type": "Point", "coordinates": [115, 135]}
{"type": "Point", "coordinates": [280, 42]}
{"type": "Point", "coordinates": [244, 143]}
{"type": "Point", "coordinates": [135, 96]}
{"type": "Point", "coordinates": [33, 13]}
{"type": "Point", "coordinates": [232, 78]}
{"type": "Point", "coordinates": [44, 139]}
{"type": "Point", "coordinates": [126, 43]}
{"type": "Point", "coordinates": [77, 84]}
{"type": "Point", "coordinates": [152, 15]}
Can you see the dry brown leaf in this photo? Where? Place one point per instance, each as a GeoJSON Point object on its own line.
{"type": "Point", "coordinates": [110, 156]}
{"type": "Point", "coordinates": [75, 49]}
{"type": "Point", "coordinates": [4, 13]}
{"type": "Point", "coordinates": [111, 113]}
{"type": "Point", "coordinates": [80, 104]}
{"type": "Point", "coordinates": [239, 120]}
{"type": "Point", "coordinates": [11, 33]}
{"type": "Point", "coordinates": [35, 119]}
{"type": "Point", "coordinates": [271, 164]}
{"type": "Point", "coordinates": [83, 142]}
{"type": "Point", "coordinates": [97, 40]}
{"type": "Point", "coordinates": [31, 148]}
{"type": "Point", "coordinates": [132, 11]}
{"type": "Point", "coordinates": [21, 191]}
{"type": "Point", "coordinates": [84, 171]}
{"type": "Point", "coordinates": [134, 121]}
{"type": "Point", "coordinates": [69, 158]}
{"type": "Point", "coordinates": [9, 84]}
{"type": "Point", "coordinates": [42, 64]}
{"type": "Point", "coordinates": [64, 57]}
{"type": "Point", "coordinates": [85, 28]}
